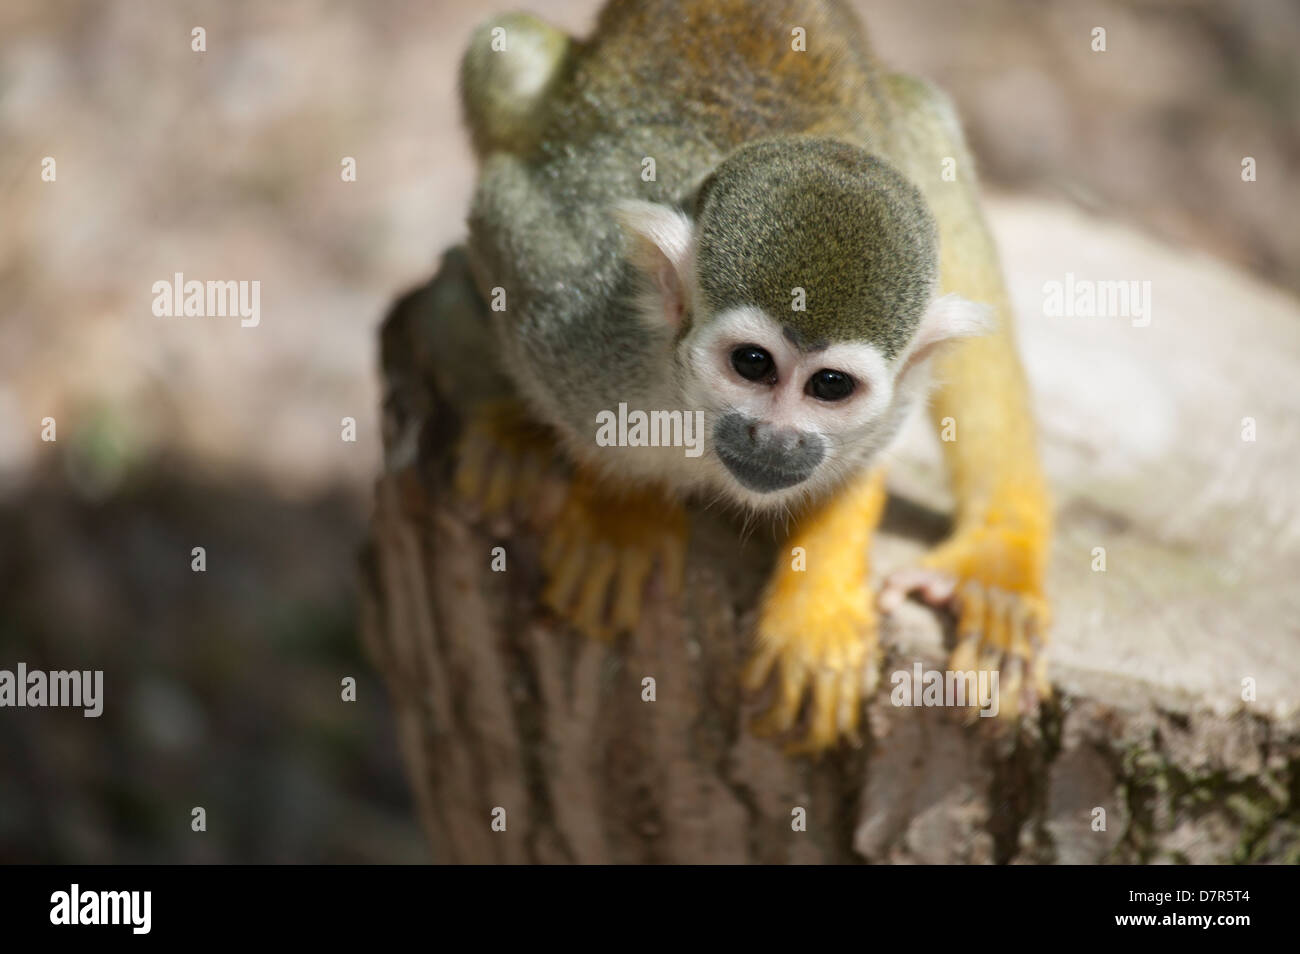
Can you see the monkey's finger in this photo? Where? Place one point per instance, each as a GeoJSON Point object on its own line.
{"type": "Point", "coordinates": [892, 594]}
{"type": "Point", "coordinates": [965, 654]}
{"type": "Point", "coordinates": [474, 453]}
{"type": "Point", "coordinates": [593, 590]}
{"type": "Point", "coordinates": [1038, 676]}
{"type": "Point", "coordinates": [970, 627]}
{"type": "Point", "coordinates": [672, 560]}
{"type": "Point", "coordinates": [566, 576]}
{"type": "Point", "coordinates": [939, 589]}
{"type": "Point", "coordinates": [790, 690]}
{"type": "Point", "coordinates": [1010, 686]}
{"type": "Point", "coordinates": [499, 486]}
{"type": "Point", "coordinates": [1018, 616]}
{"type": "Point", "coordinates": [971, 606]}
{"type": "Point", "coordinates": [547, 505]}
{"type": "Point", "coordinates": [634, 566]}
{"type": "Point", "coordinates": [849, 710]}
{"type": "Point", "coordinates": [559, 541]}
{"type": "Point", "coordinates": [528, 478]}
{"type": "Point", "coordinates": [989, 658]}
{"type": "Point", "coordinates": [824, 709]}
{"type": "Point", "coordinates": [997, 634]}
{"type": "Point", "coordinates": [935, 586]}
{"type": "Point", "coordinates": [760, 667]}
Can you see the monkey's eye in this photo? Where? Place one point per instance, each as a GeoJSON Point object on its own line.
{"type": "Point", "coordinates": [753, 363]}
{"type": "Point", "coordinates": [827, 385]}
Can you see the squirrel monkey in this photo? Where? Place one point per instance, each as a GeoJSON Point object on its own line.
{"type": "Point", "coordinates": [729, 207]}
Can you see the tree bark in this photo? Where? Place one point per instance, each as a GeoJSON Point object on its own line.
{"type": "Point", "coordinates": [501, 707]}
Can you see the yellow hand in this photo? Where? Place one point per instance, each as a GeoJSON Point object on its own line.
{"type": "Point", "coordinates": [817, 627]}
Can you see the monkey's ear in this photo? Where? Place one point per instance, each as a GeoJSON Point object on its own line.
{"type": "Point", "coordinates": [948, 318]}
{"type": "Point", "coordinates": [659, 244]}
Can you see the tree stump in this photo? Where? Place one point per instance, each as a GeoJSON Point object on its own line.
{"type": "Point", "coordinates": [506, 715]}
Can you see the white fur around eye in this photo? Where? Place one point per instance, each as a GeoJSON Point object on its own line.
{"type": "Point", "coordinates": [713, 379]}
{"type": "Point", "coordinates": [736, 327]}
{"type": "Point", "coordinates": [854, 430]}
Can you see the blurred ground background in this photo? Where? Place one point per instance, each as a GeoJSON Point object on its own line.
{"type": "Point", "coordinates": [223, 688]}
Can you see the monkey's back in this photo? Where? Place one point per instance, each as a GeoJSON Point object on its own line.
{"type": "Point", "coordinates": [646, 109]}
{"type": "Point", "coordinates": [686, 81]}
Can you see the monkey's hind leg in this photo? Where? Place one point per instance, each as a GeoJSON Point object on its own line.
{"type": "Point", "coordinates": [818, 628]}
{"type": "Point", "coordinates": [993, 568]}
{"type": "Point", "coordinates": [601, 548]}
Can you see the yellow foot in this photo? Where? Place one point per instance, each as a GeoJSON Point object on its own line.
{"type": "Point", "coordinates": [502, 459]}
{"type": "Point", "coordinates": [992, 576]}
{"type": "Point", "coordinates": [820, 638]}
{"type": "Point", "coordinates": [604, 549]}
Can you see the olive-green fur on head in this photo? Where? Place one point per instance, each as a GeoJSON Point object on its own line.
{"type": "Point", "coordinates": [827, 217]}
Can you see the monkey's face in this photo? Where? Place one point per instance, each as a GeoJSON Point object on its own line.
{"type": "Point", "coordinates": [785, 422]}
{"type": "Point", "coordinates": [801, 302]}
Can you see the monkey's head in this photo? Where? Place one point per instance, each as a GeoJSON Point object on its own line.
{"type": "Point", "coordinates": [801, 303]}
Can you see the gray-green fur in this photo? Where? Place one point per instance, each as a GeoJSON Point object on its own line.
{"type": "Point", "coordinates": [687, 82]}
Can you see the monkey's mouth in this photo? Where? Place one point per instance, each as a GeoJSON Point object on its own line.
{"type": "Point", "coordinates": [764, 476]}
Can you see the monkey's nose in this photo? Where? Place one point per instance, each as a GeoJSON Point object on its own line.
{"type": "Point", "coordinates": [778, 439]}
{"type": "Point", "coordinates": [786, 440]}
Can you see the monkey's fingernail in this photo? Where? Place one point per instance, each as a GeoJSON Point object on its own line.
{"type": "Point", "coordinates": [889, 599]}
{"type": "Point", "coordinates": [939, 589]}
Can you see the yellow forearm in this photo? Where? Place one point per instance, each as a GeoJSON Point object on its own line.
{"type": "Point", "coordinates": [818, 622]}
{"type": "Point", "coordinates": [982, 403]}
{"type": "Point", "coordinates": [826, 557]}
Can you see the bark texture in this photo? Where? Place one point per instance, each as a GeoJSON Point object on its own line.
{"type": "Point", "coordinates": [500, 707]}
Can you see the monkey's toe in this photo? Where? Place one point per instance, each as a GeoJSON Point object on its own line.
{"type": "Point", "coordinates": [502, 460]}
{"type": "Point", "coordinates": [1000, 631]}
